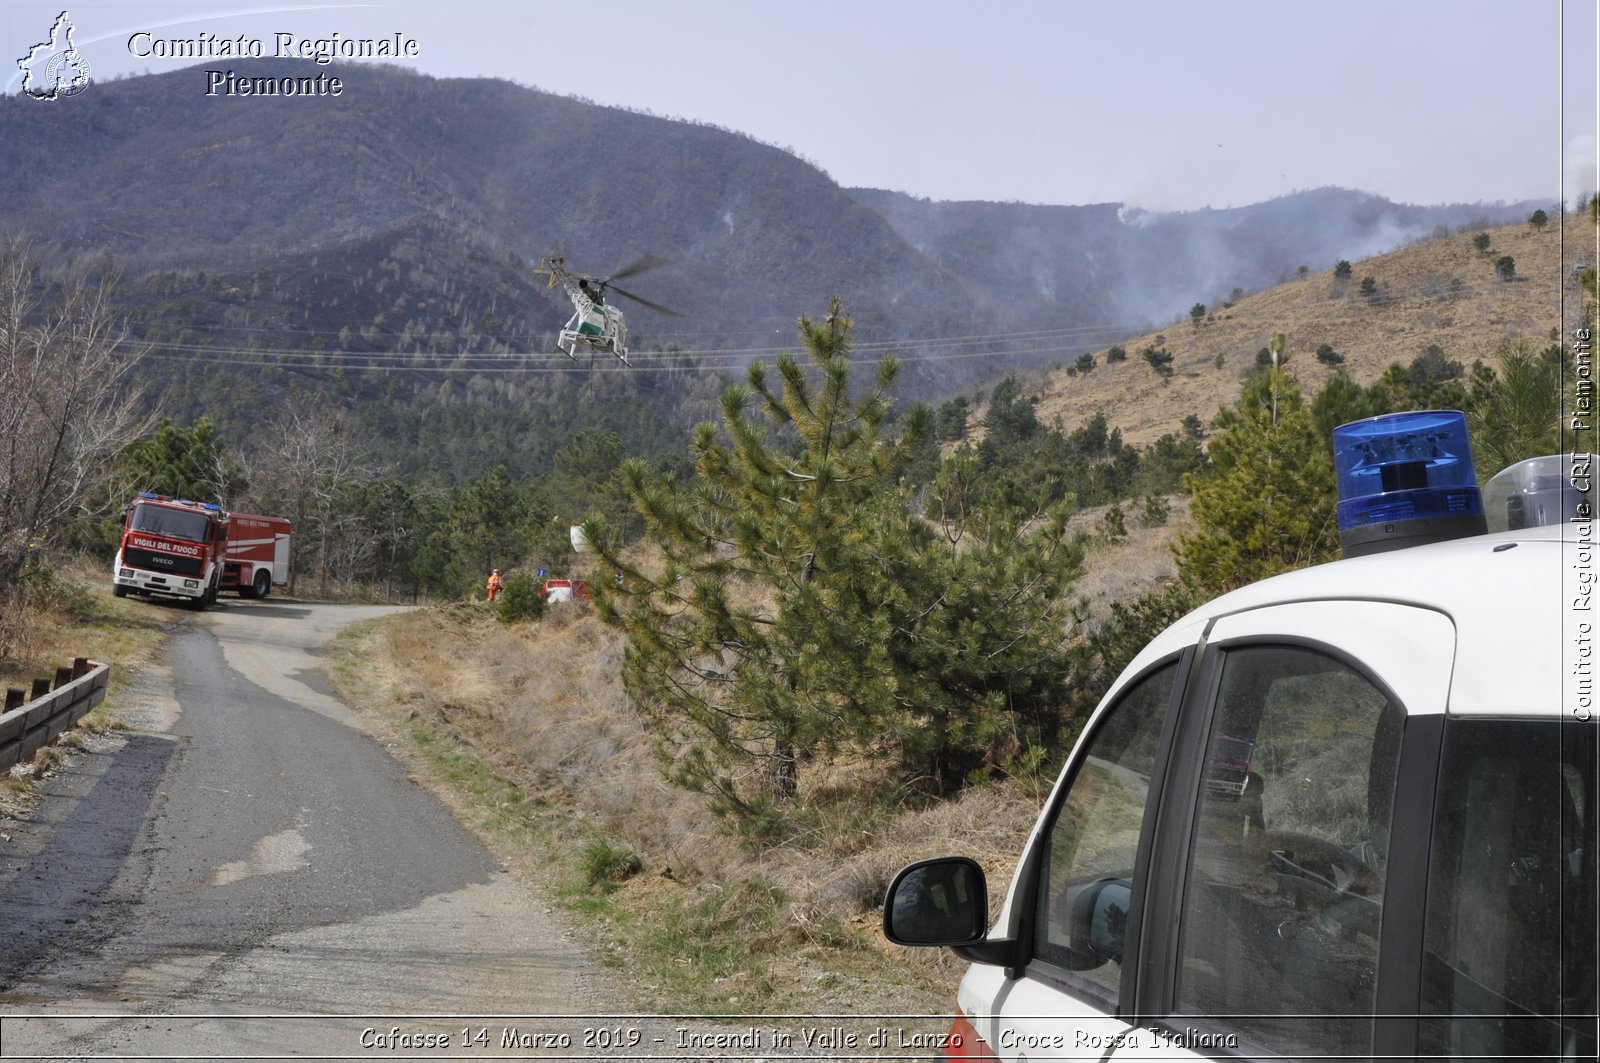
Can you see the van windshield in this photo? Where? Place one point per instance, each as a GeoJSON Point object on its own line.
{"type": "Point", "coordinates": [171, 523]}
{"type": "Point", "coordinates": [1510, 955]}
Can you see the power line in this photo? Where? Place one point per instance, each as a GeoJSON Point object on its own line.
{"type": "Point", "coordinates": [1059, 341]}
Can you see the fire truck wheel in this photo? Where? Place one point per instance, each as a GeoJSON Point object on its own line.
{"type": "Point", "coordinates": [118, 591]}
{"type": "Point", "coordinates": [262, 585]}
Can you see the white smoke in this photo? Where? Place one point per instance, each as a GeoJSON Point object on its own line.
{"type": "Point", "coordinates": [1580, 170]}
{"type": "Point", "coordinates": [1137, 216]}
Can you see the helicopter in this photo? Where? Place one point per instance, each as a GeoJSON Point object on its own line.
{"type": "Point", "coordinates": [594, 322]}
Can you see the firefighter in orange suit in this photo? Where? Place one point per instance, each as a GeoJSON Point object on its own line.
{"type": "Point", "coordinates": [495, 584]}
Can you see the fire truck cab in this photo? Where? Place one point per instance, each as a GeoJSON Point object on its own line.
{"type": "Point", "coordinates": [1346, 812]}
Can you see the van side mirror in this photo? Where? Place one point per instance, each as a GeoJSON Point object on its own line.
{"type": "Point", "coordinates": [937, 902]}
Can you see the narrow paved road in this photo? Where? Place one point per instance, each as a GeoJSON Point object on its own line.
{"type": "Point", "coordinates": [248, 851]}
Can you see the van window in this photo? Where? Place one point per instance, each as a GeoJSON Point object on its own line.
{"type": "Point", "coordinates": [1283, 887]}
{"type": "Point", "coordinates": [1509, 955]}
{"type": "Point", "coordinates": [1086, 879]}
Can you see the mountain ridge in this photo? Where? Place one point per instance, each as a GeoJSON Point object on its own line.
{"type": "Point", "coordinates": [404, 217]}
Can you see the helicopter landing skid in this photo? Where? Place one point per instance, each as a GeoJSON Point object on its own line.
{"type": "Point", "coordinates": [567, 343]}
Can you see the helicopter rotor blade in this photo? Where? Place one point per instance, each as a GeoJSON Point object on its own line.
{"type": "Point", "coordinates": [642, 301]}
{"type": "Point", "coordinates": [638, 265]}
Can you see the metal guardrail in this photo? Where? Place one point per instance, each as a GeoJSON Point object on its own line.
{"type": "Point", "coordinates": [28, 726]}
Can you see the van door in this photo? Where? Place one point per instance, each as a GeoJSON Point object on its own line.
{"type": "Point", "coordinates": [1270, 871]}
{"type": "Point", "coordinates": [1078, 889]}
{"type": "Point", "coordinates": [1509, 960]}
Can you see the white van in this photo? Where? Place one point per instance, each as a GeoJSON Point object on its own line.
{"type": "Point", "coordinates": [1344, 813]}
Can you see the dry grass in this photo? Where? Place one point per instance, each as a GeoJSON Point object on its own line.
{"type": "Point", "coordinates": [73, 614]}
{"type": "Point", "coordinates": [1441, 291]}
{"type": "Point", "coordinates": [37, 625]}
{"type": "Point", "coordinates": [1139, 564]}
{"type": "Point", "coordinates": [18, 794]}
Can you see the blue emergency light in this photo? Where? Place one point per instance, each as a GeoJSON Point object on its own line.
{"type": "Point", "coordinates": [1405, 479]}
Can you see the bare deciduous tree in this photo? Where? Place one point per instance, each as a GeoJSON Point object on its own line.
{"type": "Point", "coordinates": [310, 462]}
{"type": "Point", "coordinates": [65, 404]}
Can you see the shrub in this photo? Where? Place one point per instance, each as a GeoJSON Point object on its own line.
{"type": "Point", "coordinates": [1506, 267]}
{"type": "Point", "coordinates": [950, 423]}
{"type": "Point", "coordinates": [1117, 354]}
{"type": "Point", "coordinates": [1369, 287]}
{"type": "Point", "coordinates": [1114, 526]}
{"type": "Point", "coordinates": [1328, 356]}
{"type": "Point", "coordinates": [1160, 360]}
{"type": "Point", "coordinates": [1481, 242]}
{"type": "Point", "coordinates": [1538, 219]}
{"type": "Point", "coordinates": [44, 588]}
{"type": "Point", "coordinates": [1341, 270]}
{"type": "Point", "coordinates": [1155, 512]}
{"type": "Point", "coordinates": [519, 600]}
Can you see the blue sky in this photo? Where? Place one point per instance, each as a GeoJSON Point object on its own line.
{"type": "Point", "coordinates": [1163, 104]}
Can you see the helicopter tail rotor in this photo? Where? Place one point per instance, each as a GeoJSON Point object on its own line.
{"type": "Point", "coordinates": [552, 268]}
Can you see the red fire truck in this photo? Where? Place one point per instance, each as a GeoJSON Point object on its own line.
{"type": "Point", "coordinates": [192, 550]}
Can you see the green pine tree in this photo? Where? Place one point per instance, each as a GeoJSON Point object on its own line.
{"type": "Point", "coordinates": [1515, 410]}
{"type": "Point", "coordinates": [798, 605]}
{"type": "Point", "coordinates": [1266, 504]}
{"type": "Point", "coordinates": [191, 463]}
{"type": "Point", "coordinates": [1341, 401]}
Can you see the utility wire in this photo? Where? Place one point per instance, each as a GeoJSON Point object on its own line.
{"type": "Point", "coordinates": [1064, 340]}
